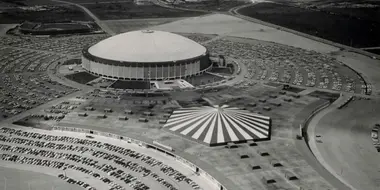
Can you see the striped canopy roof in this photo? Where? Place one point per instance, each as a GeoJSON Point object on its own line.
{"type": "Point", "coordinates": [217, 125]}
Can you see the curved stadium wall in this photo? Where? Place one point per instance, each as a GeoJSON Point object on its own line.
{"type": "Point", "coordinates": [145, 71]}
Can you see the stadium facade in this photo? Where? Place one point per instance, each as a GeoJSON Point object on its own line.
{"type": "Point", "coordinates": [146, 55]}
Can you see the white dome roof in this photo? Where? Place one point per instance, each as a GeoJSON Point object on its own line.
{"type": "Point", "coordinates": [147, 46]}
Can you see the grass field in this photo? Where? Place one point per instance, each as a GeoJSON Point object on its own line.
{"type": "Point", "coordinates": [131, 84]}
{"type": "Point", "coordinates": [376, 51]}
{"type": "Point", "coordinates": [126, 25]}
{"type": "Point", "coordinates": [27, 2]}
{"type": "Point", "coordinates": [340, 28]}
{"type": "Point", "coordinates": [129, 10]}
{"type": "Point", "coordinates": [212, 5]}
{"type": "Point", "coordinates": [51, 14]}
{"type": "Point", "coordinates": [81, 77]}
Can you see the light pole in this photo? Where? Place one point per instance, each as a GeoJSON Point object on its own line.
{"type": "Point", "coordinates": [5, 183]}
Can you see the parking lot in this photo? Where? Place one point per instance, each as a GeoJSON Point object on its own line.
{"type": "Point", "coordinates": [72, 45]}
{"type": "Point", "coordinates": [21, 92]}
{"type": "Point", "coordinates": [24, 62]}
{"type": "Point", "coordinates": [284, 64]}
{"type": "Point", "coordinates": [127, 167]}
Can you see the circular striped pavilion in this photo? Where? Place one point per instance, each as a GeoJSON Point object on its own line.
{"type": "Point", "coordinates": [219, 125]}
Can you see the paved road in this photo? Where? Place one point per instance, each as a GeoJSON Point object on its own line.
{"type": "Point", "coordinates": [312, 140]}
{"type": "Point", "coordinates": [19, 177]}
{"type": "Point", "coordinates": [304, 150]}
{"type": "Point", "coordinates": [346, 149]}
{"type": "Point", "coordinates": [96, 19]}
{"type": "Point", "coordinates": [369, 48]}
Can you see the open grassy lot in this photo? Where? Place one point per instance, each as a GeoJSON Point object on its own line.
{"type": "Point", "coordinates": [47, 14]}
{"type": "Point", "coordinates": [13, 3]}
{"type": "Point", "coordinates": [81, 77]}
{"type": "Point", "coordinates": [212, 5]}
{"type": "Point", "coordinates": [126, 25]}
{"type": "Point", "coordinates": [376, 51]}
{"type": "Point", "coordinates": [340, 28]}
{"type": "Point", "coordinates": [129, 10]}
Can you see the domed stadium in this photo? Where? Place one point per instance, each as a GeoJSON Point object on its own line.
{"type": "Point", "coordinates": [146, 55]}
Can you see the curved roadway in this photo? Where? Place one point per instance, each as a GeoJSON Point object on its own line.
{"type": "Point", "coordinates": [346, 148]}
{"type": "Point", "coordinates": [312, 139]}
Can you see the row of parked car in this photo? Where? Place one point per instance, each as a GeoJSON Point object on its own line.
{"type": "Point", "coordinates": [119, 155]}
{"type": "Point", "coordinates": [280, 63]}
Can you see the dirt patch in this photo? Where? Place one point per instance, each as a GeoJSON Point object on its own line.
{"type": "Point", "coordinates": [338, 26]}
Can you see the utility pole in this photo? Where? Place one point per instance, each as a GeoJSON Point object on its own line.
{"type": "Point", "coordinates": [5, 183]}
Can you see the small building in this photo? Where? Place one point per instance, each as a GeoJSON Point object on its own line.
{"type": "Point", "coordinates": [143, 119]}
{"type": "Point", "coordinates": [148, 113]}
{"type": "Point", "coordinates": [231, 145]}
{"type": "Point", "coordinates": [123, 118]}
{"type": "Point", "coordinates": [82, 114]}
{"type": "Point", "coordinates": [162, 121]}
{"type": "Point", "coordinates": [282, 92]}
{"type": "Point", "coordinates": [275, 163]}
{"type": "Point", "coordinates": [243, 155]}
{"type": "Point", "coordinates": [102, 116]}
{"type": "Point", "coordinates": [268, 180]}
{"type": "Point", "coordinates": [262, 100]}
{"type": "Point", "coordinates": [287, 99]}
{"type": "Point", "coordinates": [278, 104]}
{"type": "Point", "coordinates": [273, 96]}
{"type": "Point", "coordinates": [128, 111]}
{"type": "Point", "coordinates": [166, 115]}
{"type": "Point", "coordinates": [107, 110]}
{"type": "Point", "coordinates": [262, 153]}
{"type": "Point", "coordinates": [290, 176]}
{"type": "Point", "coordinates": [254, 166]}
{"type": "Point", "coordinates": [267, 108]}
{"type": "Point", "coordinates": [89, 108]}
{"type": "Point", "coordinates": [252, 104]}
